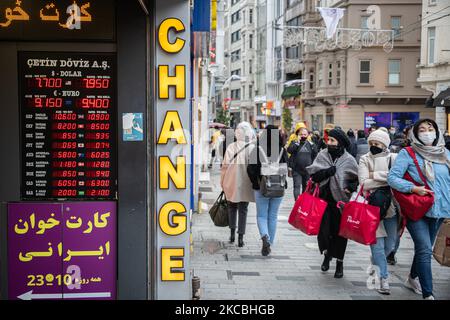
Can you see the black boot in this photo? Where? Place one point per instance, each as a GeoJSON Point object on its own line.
{"type": "Point", "coordinates": [391, 259]}
{"type": "Point", "coordinates": [339, 269]}
{"type": "Point", "coordinates": [266, 246]}
{"type": "Point", "coordinates": [232, 235]}
{"type": "Point", "coordinates": [326, 262]}
{"type": "Point", "coordinates": [240, 240]}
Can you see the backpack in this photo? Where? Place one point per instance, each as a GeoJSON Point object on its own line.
{"type": "Point", "coordinates": [273, 177]}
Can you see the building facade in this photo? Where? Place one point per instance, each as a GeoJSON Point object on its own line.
{"type": "Point", "coordinates": [239, 59]}
{"type": "Point", "coordinates": [434, 66]}
{"type": "Point", "coordinates": [359, 87]}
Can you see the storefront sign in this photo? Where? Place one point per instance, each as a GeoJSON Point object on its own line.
{"type": "Point", "coordinates": [401, 120]}
{"type": "Point", "coordinates": [68, 125]}
{"type": "Point", "coordinates": [57, 20]}
{"type": "Point", "coordinates": [62, 250]}
{"type": "Point", "coordinates": [173, 149]}
{"type": "Point", "coordinates": [379, 119]}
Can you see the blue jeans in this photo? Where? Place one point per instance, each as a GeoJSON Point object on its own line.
{"type": "Point", "coordinates": [266, 215]}
{"type": "Point", "coordinates": [384, 246]}
{"type": "Point", "coordinates": [423, 233]}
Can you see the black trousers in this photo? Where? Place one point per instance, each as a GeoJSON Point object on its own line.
{"type": "Point", "coordinates": [233, 209]}
{"type": "Point", "coordinates": [300, 180]}
{"type": "Point", "coordinates": [328, 237]}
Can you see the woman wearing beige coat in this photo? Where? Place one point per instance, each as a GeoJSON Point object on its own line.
{"type": "Point", "coordinates": [234, 179]}
{"type": "Point", "coordinates": [372, 172]}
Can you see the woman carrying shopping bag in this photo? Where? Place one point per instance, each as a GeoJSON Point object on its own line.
{"type": "Point", "coordinates": [234, 180]}
{"type": "Point", "coordinates": [337, 172]}
{"type": "Point", "coordinates": [269, 148]}
{"type": "Point", "coordinates": [372, 172]}
{"type": "Point", "coordinates": [427, 162]}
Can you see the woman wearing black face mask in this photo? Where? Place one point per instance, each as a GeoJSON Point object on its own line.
{"type": "Point", "coordinates": [372, 172]}
{"type": "Point", "coordinates": [337, 172]}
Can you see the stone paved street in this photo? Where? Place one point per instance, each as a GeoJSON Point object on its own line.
{"type": "Point", "coordinates": [292, 271]}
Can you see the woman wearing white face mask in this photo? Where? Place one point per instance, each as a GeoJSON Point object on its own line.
{"type": "Point", "coordinates": [428, 145]}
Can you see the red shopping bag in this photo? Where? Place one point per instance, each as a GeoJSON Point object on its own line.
{"type": "Point", "coordinates": [359, 221]}
{"type": "Point", "coordinates": [308, 211]}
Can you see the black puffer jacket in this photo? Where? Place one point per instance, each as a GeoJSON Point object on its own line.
{"type": "Point", "coordinates": [303, 154]}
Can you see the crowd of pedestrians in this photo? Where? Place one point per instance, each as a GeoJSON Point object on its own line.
{"type": "Point", "coordinates": [256, 167]}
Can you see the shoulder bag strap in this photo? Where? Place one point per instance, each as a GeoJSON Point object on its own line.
{"type": "Point", "coordinates": [281, 155]}
{"type": "Point", "coordinates": [236, 154]}
{"type": "Point", "coordinates": [413, 156]}
{"type": "Point", "coordinates": [264, 154]}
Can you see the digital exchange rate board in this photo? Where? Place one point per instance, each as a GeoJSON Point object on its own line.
{"type": "Point", "coordinates": [68, 132]}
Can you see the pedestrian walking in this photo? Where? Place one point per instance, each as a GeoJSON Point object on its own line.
{"type": "Point", "coordinates": [428, 145]}
{"type": "Point", "coordinates": [294, 136]}
{"type": "Point", "coordinates": [235, 181]}
{"type": "Point", "coordinates": [373, 170]}
{"type": "Point", "coordinates": [362, 146]}
{"type": "Point", "coordinates": [269, 145]}
{"type": "Point", "coordinates": [337, 172]}
{"type": "Point", "coordinates": [214, 144]}
{"type": "Point", "coordinates": [396, 146]}
{"type": "Point", "coordinates": [302, 154]}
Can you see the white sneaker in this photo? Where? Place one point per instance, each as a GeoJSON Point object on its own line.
{"type": "Point", "coordinates": [413, 284]}
{"type": "Point", "coordinates": [429, 298]}
{"type": "Point", "coordinates": [384, 287]}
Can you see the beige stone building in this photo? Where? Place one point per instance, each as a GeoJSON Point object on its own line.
{"type": "Point", "coordinates": [355, 88]}
{"type": "Point", "coordinates": [434, 64]}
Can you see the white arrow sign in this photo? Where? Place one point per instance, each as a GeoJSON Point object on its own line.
{"type": "Point", "coordinates": [30, 296]}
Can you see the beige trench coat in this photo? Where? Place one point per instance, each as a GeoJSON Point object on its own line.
{"type": "Point", "coordinates": [234, 179]}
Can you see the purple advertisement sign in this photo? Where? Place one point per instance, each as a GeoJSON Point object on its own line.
{"type": "Point", "coordinates": [62, 251]}
{"type": "Point", "coordinates": [380, 119]}
{"type": "Point", "coordinates": [401, 120]}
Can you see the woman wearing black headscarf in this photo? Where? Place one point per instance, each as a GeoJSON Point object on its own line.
{"type": "Point", "coordinates": [337, 172]}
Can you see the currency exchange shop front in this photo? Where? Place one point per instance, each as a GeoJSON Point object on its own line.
{"type": "Point", "coordinates": [80, 215]}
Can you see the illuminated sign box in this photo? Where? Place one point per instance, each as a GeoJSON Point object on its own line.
{"type": "Point", "coordinates": [69, 20]}
{"type": "Point", "coordinates": [68, 125]}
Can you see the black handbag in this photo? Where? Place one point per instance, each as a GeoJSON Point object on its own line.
{"type": "Point", "coordinates": [382, 198]}
{"type": "Point", "coordinates": [219, 211]}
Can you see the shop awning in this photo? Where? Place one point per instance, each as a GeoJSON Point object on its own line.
{"type": "Point", "coordinates": [291, 92]}
{"type": "Point", "coordinates": [442, 99]}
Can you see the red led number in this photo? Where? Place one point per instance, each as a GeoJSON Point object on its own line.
{"type": "Point", "coordinates": [96, 83]}
{"type": "Point", "coordinates": [98, 193]}
{"type": "Point", "coordinates": [64, 135]}
{"type": "Point", "coordinates": [64, 193]}
{"type": "Point", "coordinates": [64, 126]}
{"type": "Point", "coordinates": [64, 164]}
{"type": "Point", "coordinates": [64, 174]}
{"type": "Point", "coordinates": [64, 116]}
{"type": "Point", "coordinates": [48, 102]}
{"type": "Point", "coordinates": [64, 154]}
{"type": "Point", "coordinates": [98, 116]}
{"type": "Point", "coordinates": [97, 174]}
{"type": "Point", "coordinates": [94, 103]}
{"type": "Point", "coordinates": [64, 145]}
